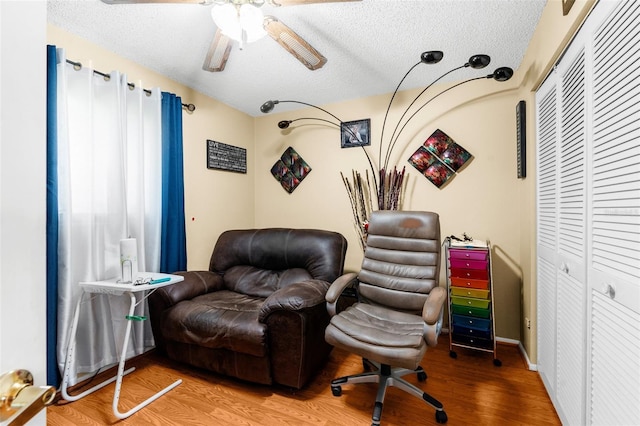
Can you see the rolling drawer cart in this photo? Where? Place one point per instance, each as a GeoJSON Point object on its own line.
{"type": "Point", "coordinates": [470, 297]}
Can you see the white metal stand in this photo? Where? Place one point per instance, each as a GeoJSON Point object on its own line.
{"type": "Point", "coordinates": [114, 288]}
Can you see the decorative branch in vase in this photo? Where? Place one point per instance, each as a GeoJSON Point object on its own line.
{"type": "Point", "coordinates": [359, 192]}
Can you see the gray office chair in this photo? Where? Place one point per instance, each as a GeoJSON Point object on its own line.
{"type": "Point", "coordinates": [400, 305]}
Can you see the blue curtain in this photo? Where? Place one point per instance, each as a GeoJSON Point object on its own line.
{"type": "Point", "coordinates": [53, 374]}
{"type": "Point", "coordinates": [173, 250]}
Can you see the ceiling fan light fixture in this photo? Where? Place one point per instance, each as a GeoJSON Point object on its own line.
{"type": "Point", "coordinates": [241, 23]}
{"type": "Point", "coordinates": [251, 20]}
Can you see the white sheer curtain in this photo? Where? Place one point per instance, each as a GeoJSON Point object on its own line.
{"type": "Point", "coordinates": [109, 173]}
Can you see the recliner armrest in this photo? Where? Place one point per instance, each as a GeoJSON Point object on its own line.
{"type": "Point", "coordinates": [195, 283]}
{"type": "Point", "coordinates": [431, 312]}
{"type": "Point", "coordinates": [294, 297]}
{"type": "Point", "coordinates": [337, 288]}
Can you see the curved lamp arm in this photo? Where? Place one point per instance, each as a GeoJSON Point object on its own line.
{"type": "Point", "coordinates": [501, 74]}
{"type": "Point", "coordinates": [268, 106]}
{"type": "Point", "coordinates": [476, 62]}
{"type": "Point", "coordinates": [284, 124]}
{"type": "Point", "coordinates": [429, 57]}
{"type": "Point", "coordinates": [390, 147]}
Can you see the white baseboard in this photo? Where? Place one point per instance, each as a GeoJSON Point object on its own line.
{"type": "Point", "coordinates": [530, 366]}
{"type": "Point", "coordinates": [518, 343]}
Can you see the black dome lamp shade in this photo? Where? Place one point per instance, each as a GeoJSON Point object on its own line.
{"type": "Point", "coordinates": [431, 57]}
{"type": "Point", "coordinates": [479, 61]}
{"type": "Point", "coordinates": [501, 74]}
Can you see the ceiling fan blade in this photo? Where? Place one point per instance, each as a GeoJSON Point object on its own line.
{"type": "Point", "coordinates": [298, 2]}
{"type": "Point", "coordinates": [293, 43]}
{"type": "Point", "coordinates": [154, 1]}
{"type": "Point", "coordinates": [218, 53]}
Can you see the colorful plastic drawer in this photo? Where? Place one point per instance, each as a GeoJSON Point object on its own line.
{"type": "Point", "coordinates": [474, 274]}
{"type": "Point", "coordinates": [470, 310]}
{"type": "Point", "coordinates": [472, 340]}
{"type": "Point", "coordinates": [467, 321]}
{"type": "Point", "coordinates": [472, 332]}
{"type": "Point", "coordinates": [468, 254]}
{"type": "Point", "coordinates": [468, 264]}
{"type": "Point", "coordinates": [470, 292]}
{"type": "Point", "coordinates": [470, 301]}
{"type": "Point", "coordinates": [469, 283]}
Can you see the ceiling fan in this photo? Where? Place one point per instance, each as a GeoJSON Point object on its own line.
{"type": "Point", "coordinates": [243, 22]}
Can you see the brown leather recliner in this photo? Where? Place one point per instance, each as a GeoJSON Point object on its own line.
{"type": "Point", "coordinates": [259, 312]}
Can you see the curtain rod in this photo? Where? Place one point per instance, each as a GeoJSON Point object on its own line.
{"type": "Point", "coordinates": [78, 65]}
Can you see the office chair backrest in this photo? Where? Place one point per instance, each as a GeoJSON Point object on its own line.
{"type": "Point", "coordinates": [402, 259]}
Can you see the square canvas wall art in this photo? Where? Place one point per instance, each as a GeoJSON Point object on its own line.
{"type": "Point", "coordinates": [290, 170]}
{"type": "Point", "coordinates": [439, 158]}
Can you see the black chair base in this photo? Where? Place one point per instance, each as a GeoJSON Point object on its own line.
{"type": "Point", "coordinates": [386, 376]}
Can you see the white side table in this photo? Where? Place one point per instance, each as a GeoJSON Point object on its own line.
{"type": "Point", "coordinates": [136, 293]}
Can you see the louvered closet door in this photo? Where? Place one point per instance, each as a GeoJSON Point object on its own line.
{"type": "Point", "coordinates": [547, 214]}
{"type": "Point", "coordinates": [614, 239]}
{"type": "Point", "coordinates": [571, 275]}
{"type": "Point", "coordinates": [561, 266]}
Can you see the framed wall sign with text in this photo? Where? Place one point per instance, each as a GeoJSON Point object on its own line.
{"type": "Point", "coordinates": [221, 156]}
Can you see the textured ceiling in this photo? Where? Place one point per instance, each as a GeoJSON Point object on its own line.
{"type": "Point", "coordinates": [369, 44]}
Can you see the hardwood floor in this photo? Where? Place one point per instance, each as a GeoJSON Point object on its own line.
{"type": "Point", "coordinates": [472, 390]}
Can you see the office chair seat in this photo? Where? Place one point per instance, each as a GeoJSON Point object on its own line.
{"type": "Point", "coordinates": [388, 337]}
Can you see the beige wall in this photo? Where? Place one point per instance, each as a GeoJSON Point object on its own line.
{"type": "Point", "coordinates": [485, 200]}
{"type": "Point", "coordinates": [214, 200]}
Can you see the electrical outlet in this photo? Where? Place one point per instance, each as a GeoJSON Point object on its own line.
{"type": "Point", "coordinates": [528, 322]}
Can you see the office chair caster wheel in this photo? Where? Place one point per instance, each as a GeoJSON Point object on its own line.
{"type": "Point", "coordinates": [422, 376]}
{"type": "Point", "coordinates": [441, 417]}
{"type": "Point", "coordinates": [497, 362]}
{"type": "Point", "coordinates": [336, 390]}
{"type": "Point", "coordinates": [453, 354]}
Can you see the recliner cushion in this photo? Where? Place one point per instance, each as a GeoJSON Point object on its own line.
{"type": "Point", "coordinates": [258, 282]}
{"type": "Point", "coordinates": [221, 319]}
